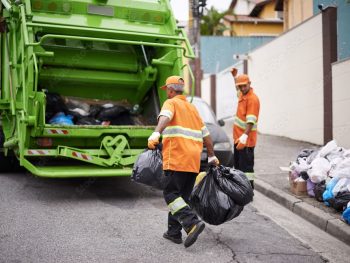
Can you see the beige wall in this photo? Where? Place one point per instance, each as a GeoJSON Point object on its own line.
{"type": "Point", "coordinates": [259, 29]}
{"type": "Point", "coordinates": [268, 11]}
{"type": "Point", "coordinates": [227, 33]}
{"type": "Point", "coordinates": [289, 81]}
{"type": "Point", "coordinates": [341, 102]}
{"type": "Point", "coordinates": [296, 11]}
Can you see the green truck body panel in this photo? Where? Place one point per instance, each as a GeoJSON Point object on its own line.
{"type": "Point", "coordinates": [102, 50]}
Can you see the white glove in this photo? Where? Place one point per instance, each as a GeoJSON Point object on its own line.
{"type": "Point", "coordinates": [154, 136]}
{"type": "Point", "coordinates": [243, 139]}
{"type": "Point", "coordinates": [213, 160]}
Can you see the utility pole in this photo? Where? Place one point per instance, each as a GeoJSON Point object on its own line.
{"type": "Point", "coordinates": [196, 11]}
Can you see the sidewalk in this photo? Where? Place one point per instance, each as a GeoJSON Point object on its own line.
{"type": "Point", "coordinates": [273, 152]}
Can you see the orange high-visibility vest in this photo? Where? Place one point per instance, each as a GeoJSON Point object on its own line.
{"type": "Point", "coordinates": [247, 112]}
{"type": "Point", "coordinates": [183, 137]}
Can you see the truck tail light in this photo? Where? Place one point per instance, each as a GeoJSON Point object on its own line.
{"type": "Point", "coordinates": [44, 142]}
{"type": "Point", "coordinates": [51, 6]}
{"type": "Point", "coordinates": [37, 5]}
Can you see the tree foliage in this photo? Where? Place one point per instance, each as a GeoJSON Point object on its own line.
{"type": "Point", "coordinates": [212, 23]}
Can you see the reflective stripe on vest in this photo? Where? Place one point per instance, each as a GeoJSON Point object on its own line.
{"type": "Point", "coordinates": [179, 131]}
{"type": "Point", "coordinates": [205, 131]}
{"type": "Point", "coordinates": [250, 176]}
{"type": "Point", "coordinates": [243, 125]}
{"type": "Point", "coordinates": [166, 113]}
{"type": "Point", "coordinates": [177, 205]}
{"type": "Point", "coordinates": [251, 119]}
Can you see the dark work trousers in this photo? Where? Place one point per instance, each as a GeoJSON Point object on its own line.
{"type": "Point", "coordinates": [179, 184]}
{"type": "Point", "coordinates": [244, 161]}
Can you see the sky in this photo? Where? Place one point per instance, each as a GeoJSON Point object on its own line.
{"type": "Point", "coordinates": [180, 7]}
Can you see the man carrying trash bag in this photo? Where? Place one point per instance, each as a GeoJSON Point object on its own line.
{"type": "Point", "coordinates": [183, 136]}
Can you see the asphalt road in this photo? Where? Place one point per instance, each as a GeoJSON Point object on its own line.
{"type": "Point", "coordinates": [115, 220]}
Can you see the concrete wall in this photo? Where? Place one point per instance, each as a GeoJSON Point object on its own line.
{"type": "Point", "coordinates": [287, 74]}
{"type": "Point", "coordinates": [341, 102]}
{"type": "Point", "coordinates": [226, 95]}
{"type": "Point", "coordinates": [205, 89]}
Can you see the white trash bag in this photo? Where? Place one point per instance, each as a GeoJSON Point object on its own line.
{"type": "Point", "coordinates": [319, 169]}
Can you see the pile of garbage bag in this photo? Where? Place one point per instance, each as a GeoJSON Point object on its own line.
{"type": "Point", "coordinates": [327, 173]}
{"type": "Point", "coordinates": [148, 169]}
{"type": "Point", "coordinates": [63, 110]}
{"type": "Point", "coordinates": [221, 194]}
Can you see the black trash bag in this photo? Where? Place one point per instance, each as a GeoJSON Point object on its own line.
{"type": "Point", "coordinates": [340, 202]}
{"type": "Point", "coordinates": [87, 121]}
{"type": "Point", "coordinates": [87, 118]}
{"type": "Point", "coordinates": [305, 153]}
{"type": "Point", "coordinates": [212, 204]}
{"type": "Point", "coordinates": [319, 189]}
{"type": "Point", "coordinates": [236, 185]}
{"type": "Point", "coordinates": [108, 114]}
{"type": "Point", "coordinates": [123, 118]}
{"type": "Point", "coordinates": [304, 175]}
{"type": "Point", "coordinates": [94, 110]}
{"type": "Point", "coordinates": [148, 169]}
{"type": "Point", "coordinates": [54, 104]}
{"type": "Point", "coordinates": [77, 113]}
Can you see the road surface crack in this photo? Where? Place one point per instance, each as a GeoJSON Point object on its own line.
{"type": "Point", "coordinates": [222, 243]}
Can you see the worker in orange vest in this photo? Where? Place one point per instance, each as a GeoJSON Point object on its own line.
{"type": "Point", "coordinates": [183, 133]}
{"type": "Point", "coordinates": [245, 127]}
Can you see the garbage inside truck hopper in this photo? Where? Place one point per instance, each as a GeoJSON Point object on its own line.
{"type": "Point", "coordinates": [94, 83]}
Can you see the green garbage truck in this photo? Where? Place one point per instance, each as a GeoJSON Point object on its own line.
{"type": "Point", "coordinates": [83, 58]}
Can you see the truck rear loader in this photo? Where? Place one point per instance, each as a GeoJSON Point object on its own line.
{"type": "Point", "coordinates": [100, 53]}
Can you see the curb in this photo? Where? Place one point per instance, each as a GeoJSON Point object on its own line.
{"type": "Point", "coordinates": [324, 221]}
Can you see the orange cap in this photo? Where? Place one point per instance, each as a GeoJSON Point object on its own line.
{"type": "Point", "coordinates": [242, 80]}
{"type": "Point", "coordinates": [173, 80]}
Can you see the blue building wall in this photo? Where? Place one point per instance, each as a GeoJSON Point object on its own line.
{"type": "Point", "coordinates": [217, 51]}
{"type": "Point", "coordinates": [343, 11]}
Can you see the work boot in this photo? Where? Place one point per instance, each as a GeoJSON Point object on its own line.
{"type": "Point", "coordinates": [175, 239]}
{"type": "Point", "coordinates": [194, 233]}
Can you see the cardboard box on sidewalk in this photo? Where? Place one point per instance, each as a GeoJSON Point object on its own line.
{"type": "Point", "coordinates": [297, 188]}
